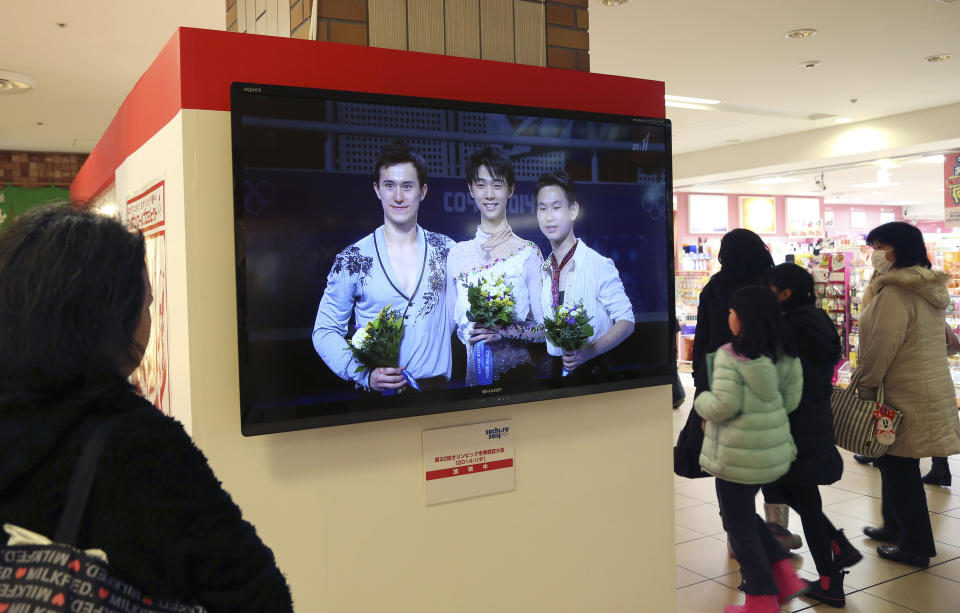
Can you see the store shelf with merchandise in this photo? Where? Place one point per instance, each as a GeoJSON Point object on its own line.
{"type": "Point", "coordinates": [944, 253]}
{"type": "Point", "coordinates": [696, 262]}
{"type": "Point", "coordinates": [943, 249]}
{"type": "Point", "coordinates": [689, 284]}
{"type": "Point", "coordinates": [857, 271]}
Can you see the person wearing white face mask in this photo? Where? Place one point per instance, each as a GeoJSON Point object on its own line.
{"type": "Point", "coordinates": [880, 259]}
{"type": "Point", "coordinates": [902, 346]}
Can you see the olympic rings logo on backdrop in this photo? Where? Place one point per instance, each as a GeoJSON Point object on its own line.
{"type": "Point", "coordinates": [655, 205]}
{"type": "Point", "coordinates": [256, 198]}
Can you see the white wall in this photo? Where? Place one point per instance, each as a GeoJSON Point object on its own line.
{"type": "Point", "coordinates": [589, 527]}
{"type": "Point", "coordinates": [162, 158]}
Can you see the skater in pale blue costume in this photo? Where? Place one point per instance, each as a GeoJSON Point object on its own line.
{"type": "Point", "coordinates": [402, 265]}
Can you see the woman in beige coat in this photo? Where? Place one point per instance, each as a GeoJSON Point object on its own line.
{"type": "Point", "coordinates": [902, 346]}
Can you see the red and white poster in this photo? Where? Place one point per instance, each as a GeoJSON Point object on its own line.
{"type": "Point", "coordinates": [468, 461]}
{"type": "Point", "coordinates": [951, 188]}
{"type": "Point", "coordinates": [145, 212]}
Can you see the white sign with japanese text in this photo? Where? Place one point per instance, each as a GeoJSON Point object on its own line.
{"type": "Point", "coordinates": [467, 461]}
{"type": "Point", "coordinates": [145, 212]}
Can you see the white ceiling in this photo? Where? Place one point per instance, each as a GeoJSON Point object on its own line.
{"type": "Point", "coordinates": [84, 70]}
{"type": "Point", "coordinates": [737, 52]}
{"type": "Point", "coordinates": [734, 51]}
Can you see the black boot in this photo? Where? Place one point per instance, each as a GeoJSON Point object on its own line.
{"type": "Point", "coordinates": [939, 473]}
{"type": "Point", "coordinates": [845, 555]}
{"type": "Point", "coordinates": [828, 590]}
{"type": "Point", "coordinates": [862, 459]}
{"type": "Point", "coordinates": [882, 533]}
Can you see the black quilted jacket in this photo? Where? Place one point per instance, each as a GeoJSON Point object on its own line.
{"type": "Point", "coordinates": [156, 508]}
{"type": "Point", "coordinates": [812, 337]}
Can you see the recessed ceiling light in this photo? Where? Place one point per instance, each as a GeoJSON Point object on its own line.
{"type": "Point", "coordinates": [936, 59]}
{"type": "Point", "coordinates": [613, 2]}
{"type": "Point", "coordinates": [733, 140]}
{"type": "Point", "coordinates": [843, 120]}
{"type": "Point", "coordinates": [15, 82]}
{"type": "Point", "coordinates": [807, 65]}
{"type": "Point", "coordinates": [689, 99]}
{"type": "Point", "coordinates": [801, 33]}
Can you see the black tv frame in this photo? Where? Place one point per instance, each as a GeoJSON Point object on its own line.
{"type": "Point", "coordinates": [441, 401]}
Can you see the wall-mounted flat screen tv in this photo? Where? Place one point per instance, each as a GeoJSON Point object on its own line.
{"type": "Point", "coordinates": [402, 256]}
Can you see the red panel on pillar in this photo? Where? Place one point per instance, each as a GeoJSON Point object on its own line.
{"type": "Point", "coordinates": [150, 105]}
{"type": "Point", "coordinates": [215, 62]}
{"type": "Point", "coordinates": [196, 67]}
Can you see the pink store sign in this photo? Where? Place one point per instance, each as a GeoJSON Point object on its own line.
{"type": "Point", "coordinates": [951, 188]}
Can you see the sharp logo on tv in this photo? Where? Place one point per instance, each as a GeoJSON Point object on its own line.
{"type": "Point", "coordinates": [404, 256]}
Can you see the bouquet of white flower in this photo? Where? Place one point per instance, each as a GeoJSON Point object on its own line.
{"type": "Point", "coordinates": [377, 344]}
{"type": "Point", "coordinates": [491, 303]}
{"type": "Point", "coordinates": [569, 328]}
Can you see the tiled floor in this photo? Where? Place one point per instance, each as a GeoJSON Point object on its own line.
{"type": "Point", "coordinates": [707, 580]}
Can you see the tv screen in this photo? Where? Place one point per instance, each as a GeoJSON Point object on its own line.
{"type": "Point", "coordinates": [403, 256]}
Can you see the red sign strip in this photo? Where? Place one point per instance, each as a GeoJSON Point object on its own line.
{"type": "Point", "coordinates": [146, 231]}
{"type": "Point", "coordinates": [469, 469]}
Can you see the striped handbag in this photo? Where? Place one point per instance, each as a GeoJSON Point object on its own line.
{"type": "Point", "coordinates": [865, 427]}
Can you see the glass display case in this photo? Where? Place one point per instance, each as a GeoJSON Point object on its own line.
{"type": "Point", "coordinates": [688, 284]}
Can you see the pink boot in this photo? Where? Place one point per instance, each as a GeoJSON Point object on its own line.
{"type": "Point", "coordinates": [787, 580]}
{"type": "Point", "coordinates": [766, 603]}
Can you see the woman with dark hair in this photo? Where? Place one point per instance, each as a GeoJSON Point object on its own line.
{"type": "Point", "coordinates": [74, 324]}
{"type": "Point", "coordinates": [809, 334]}
{"type": "Point", "coordinates": [902, 347]}
{"type": "Point", "coordinates": [744, 257]}
{"type": "Point", "coordinates": [753, 385]}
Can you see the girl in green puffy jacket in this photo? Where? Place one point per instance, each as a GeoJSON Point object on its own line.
{"type": "Point", "coordinates": [747, 441]}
